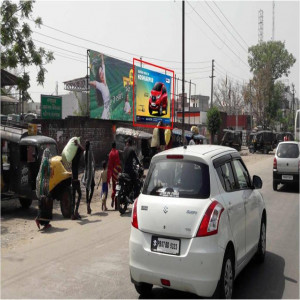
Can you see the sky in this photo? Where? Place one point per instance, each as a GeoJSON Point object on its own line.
{"type": "Point", "coordinates": [219, 30]}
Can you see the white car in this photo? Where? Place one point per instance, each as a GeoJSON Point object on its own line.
{"type": "Point", "coordinates": [286, 164]}
{"type": "Point", "coordinates": [197, 223]}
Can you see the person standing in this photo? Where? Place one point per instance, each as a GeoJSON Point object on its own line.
{"type": "Point", "coordinates": [114, 168]}
{"type": "Point", "coordinates": [131, 159]}
{"type": "Point", "coordinates": [88, 178]}
{"type": "Point", "coordinates": [162, 142]}
{"type": "Point", "coordinates": [75, 182]}
{"type": "Point", "coordinates": [42, 190]}
{"type": "Point", "coordinates": [104, 189]}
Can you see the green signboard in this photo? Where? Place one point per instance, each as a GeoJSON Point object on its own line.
{"type": "Point", "coordinates": [110, 83]}
{"type": "Point", "coordinates": [51, 107]}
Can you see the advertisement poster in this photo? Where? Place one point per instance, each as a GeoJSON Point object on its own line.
{"type": "Point", "coordinates": [110, 84]}
{"type": "Point", "coordinates": [51, 107]}
{"type": "Point", "coordinates": [153, 96]}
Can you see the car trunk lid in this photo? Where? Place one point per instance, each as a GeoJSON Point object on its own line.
{"type": "Point", "coordinates": [171, 216]}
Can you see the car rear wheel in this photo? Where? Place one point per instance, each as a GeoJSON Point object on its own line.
{"type": "Point", "coordinates": [227, 276]}
{"type": "Point", "coordinates": [150, 111]}
{"type": "Point", "coordinates": [261, 251]}
{"type": "Point", "coordinates": [25, 202]}
{"type": "Point", "coordinates": [266, 151]}
{"type": "Point", "coordinates": [144, 289]}
{"type": "Point", "coordinates": [275, 185]}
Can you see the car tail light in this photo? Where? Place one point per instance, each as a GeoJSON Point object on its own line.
{"type": "Point", "coordinates": [165, 282]}
{"type": "Point", "coordinates": [134, 221]}
{"type": "Point", "coordinates": [174, 156]}
{"type": "Point", "coordinates": [275, 164]}
{"type": "Point", "coordinates": [210, 222]}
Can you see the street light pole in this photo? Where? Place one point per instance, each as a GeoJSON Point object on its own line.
{"type": "Point", "coordinates": [183, 139]}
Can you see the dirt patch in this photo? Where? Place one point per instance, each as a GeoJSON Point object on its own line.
{"type": "Point", "coordinates": [18, 225]}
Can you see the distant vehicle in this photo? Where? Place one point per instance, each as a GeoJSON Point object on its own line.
{"type": "Point", "coordinates": [141, 142]}
{"type": "Point", "coordinates": [29, 117]}
{"type": "Point", "coordinates": [3, 119]}
{"type": "Point", "coordinates": [233, 139]}
{"type": "Point", "coordinates": [263, 141]}
{"type": "Point", "coordinates": [177, 139]}
{"type": "Point", "coordinates": [280, 136]}
{"type": "Point", "coordinates": [286, 164]}
{"type": "Point", "coordinates": [158, 100]}
{"type": "Point", "coordinates": [297, 126]}
{"type": "Point", "coordinates": [21, 156]}
{"type": "Point", "coordinates": [197, 223]}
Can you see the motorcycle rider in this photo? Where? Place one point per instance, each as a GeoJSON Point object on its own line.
{"type": "Point", "coordinates": [129, 158]}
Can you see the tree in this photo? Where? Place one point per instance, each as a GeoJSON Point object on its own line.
{"type": "Point", "coordinates": [18, 48]}
{"type": "Point", "coordinates": [229, 97]}
{"type": "Point", "coordinates": [268, 61]}
{"type": "Point", "coordinates": [213, 121]}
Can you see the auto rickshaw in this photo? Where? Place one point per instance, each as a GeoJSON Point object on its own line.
{"type": "Point", "coordinates": [141, 142]}
{"type": "Point", "coordinates": [21, 156]}
{"type": "Point", "coordinates": [177, 140]}
{"type": "Point", "coordinates": [232, 138]}
{"type": "Point", "coordinates": [263, 141]}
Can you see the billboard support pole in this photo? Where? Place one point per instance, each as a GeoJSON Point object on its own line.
{"type": "Point", "coordinates": [190, 105]}
{"type": "Point", "coordinates": [183, 139]}
{"type": "Point", "coordinates": [87, 82]}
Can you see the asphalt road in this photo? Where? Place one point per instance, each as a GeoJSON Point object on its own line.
{"type": "Point", "coordinates": [89, 258]}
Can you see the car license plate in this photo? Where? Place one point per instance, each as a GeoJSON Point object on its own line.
{"type": "Point", "coordinates": [153, 104]}
{"type": "Point", "coordinates": [287, 177]}
{"type": "Point", "coordinates": [165, 245]}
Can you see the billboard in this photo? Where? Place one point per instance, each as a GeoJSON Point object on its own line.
{"type": "Point", "coordinates": [110, 83]}
{"type": "Point", "coordinates": [153, 96]}
{"type": "Point", "coordinates": [51, 107]}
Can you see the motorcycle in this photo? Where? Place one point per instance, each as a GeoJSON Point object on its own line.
{"type": "Point", "coordinates": [127, 190]}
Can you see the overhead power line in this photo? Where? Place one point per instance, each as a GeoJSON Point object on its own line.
{"type": "Point", "coordinates": [217, 35]}
{"type": "Point", "coordinates": [230, 24]}
{"type": "Point", "coordinates": [246, 50]}
{"type": "Point", "coordinates": [120, 50]}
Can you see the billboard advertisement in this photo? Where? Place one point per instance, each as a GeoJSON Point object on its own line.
{"type": "Point", "coordinates": [51, 107]}
{"type": "Point", "coordinates": [110, 83]}
{"type": "Point", "coordinates": [153, 96]}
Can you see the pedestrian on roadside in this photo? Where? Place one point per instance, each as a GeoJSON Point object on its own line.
{"type": "Point", "coordinates": [88, 178]}
{"type": "Point", "coordinates": [162, 142]}
{"type": "Point", "coordinates": [75, 181]}
{"type": "Point", "coordinates": [104, 190]}
{"type": "Point", "coordinates": [42, 191]}
{"type": "Point", "coordinates": [114, 168]}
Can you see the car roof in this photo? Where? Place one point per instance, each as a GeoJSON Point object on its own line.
{"type": "Point", "coordinates": [290, 142]}
{"type": "Point", "coordinates": [203, 151]}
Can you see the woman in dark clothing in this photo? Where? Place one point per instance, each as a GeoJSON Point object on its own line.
{"type": "Point", "coordinates": [42, 190]}
{"type": "Point", "coordinates": [88, 178]}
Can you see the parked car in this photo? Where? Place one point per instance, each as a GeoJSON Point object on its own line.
{"type": "Point", "coordinates": [197, 223]}
{"type": "Point", "coordinates": [158, 100]}
{"type": "Point", "coordinates": [286, 164]}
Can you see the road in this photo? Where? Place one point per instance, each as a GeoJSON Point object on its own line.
{"type": "Point", "coordinates": [89, 258]}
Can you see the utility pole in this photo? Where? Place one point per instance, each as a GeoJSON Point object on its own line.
{"type": "Point", "coordinates": [212, 82]}
{"type": "Point", "coordinates": [293, 103]}
{"type": "Point", "coordinates": [183, 81]}
{"type": "Point", "coordinates": [251, 107]}
{"type": "Point", "coordinates": [190, 104]}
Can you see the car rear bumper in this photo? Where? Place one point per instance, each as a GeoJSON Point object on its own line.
{"type": "Point", "coordinates": [196, 270]}
{"type": "Point", "coordinates": [277, 177]}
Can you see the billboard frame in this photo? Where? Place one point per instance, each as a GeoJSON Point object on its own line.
{"type": "Point", "coordinates": [172, 98]}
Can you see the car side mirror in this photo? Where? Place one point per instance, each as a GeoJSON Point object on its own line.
{"type": "Point", "coordinates": [257, 182]}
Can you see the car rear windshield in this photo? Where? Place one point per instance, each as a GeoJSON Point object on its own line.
{"type": "Point", "coordinates": [157, 87]}
{"type": "Point", "coordinates": [287, 150]}
{"type": "Point", "coordinates": [178, 178]}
